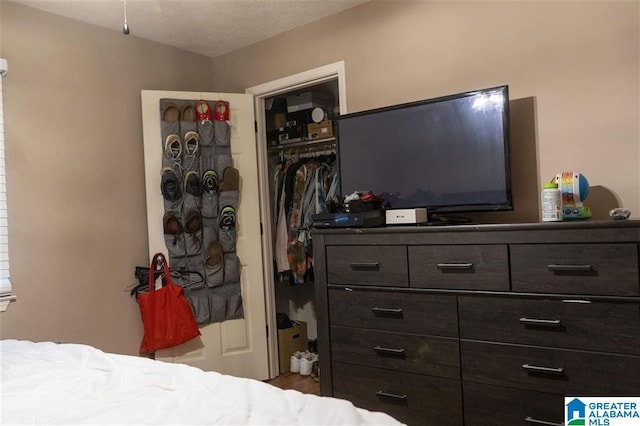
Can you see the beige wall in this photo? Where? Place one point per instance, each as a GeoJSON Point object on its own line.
{"type": "Point", "coordinates": [73, 125]}
{"type": "Point", "coordinates": [75, 173]}
{"type": "Point", "coordinates": [572, 68]}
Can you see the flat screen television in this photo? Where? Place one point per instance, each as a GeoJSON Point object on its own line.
{"type": "Point", "coordinates": [447, 154]}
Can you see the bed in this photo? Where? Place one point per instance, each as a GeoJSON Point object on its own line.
{"type": "Point", "coordinates": [49, 383]}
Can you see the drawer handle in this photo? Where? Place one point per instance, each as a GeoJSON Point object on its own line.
{"type": "Point", "coordinates": [369, 266]}
{"type": "Point", "coordinates": [455, 266]}
{"type": "Point", "coordinates": [585, 302]}
{"type": "Point", "coordinates": [391, 395]}
{"type": "Point", "coordinates": [389, 351]}
{"type": "Point", "coordinates": [569, 268]}
{"type": "Point", "coordinates": [541, 422]}
{"type": "Point", "coordinates": [387, 311]}
{"type": "Point", "coordinates": [537, 368]}
{"type": "Point", "coordinates": [544, 322]}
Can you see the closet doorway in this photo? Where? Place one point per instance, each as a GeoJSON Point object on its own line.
{"type": "Point", "coordinates": [281, 295]}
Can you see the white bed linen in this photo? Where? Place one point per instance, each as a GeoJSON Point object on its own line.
{"type": "Point", "coordinates": [48, 383]}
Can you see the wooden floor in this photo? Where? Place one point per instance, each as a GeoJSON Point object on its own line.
{"type": "Point", "coordinates": [304, 384]}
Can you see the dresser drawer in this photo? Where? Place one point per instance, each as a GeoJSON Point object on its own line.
{"type": "Point", "coordinates": [596, 326]}
{"type": "Point", "coordinates": [402, 312]}
{"type": "Point", "coordinates": [411, 398]}
{"type": "Point", "coordinates": [496, 406]}
{"type": "Point", "coordinates": [413, 353]}
{"type": "Point", "coordinates": [367, 265]}
{"type": "Point", "coordinates": [565, 372]}
{"type": "Point", "coordinates": [605, 269]}
{"type": "Point", "coordinates": [460, 267]}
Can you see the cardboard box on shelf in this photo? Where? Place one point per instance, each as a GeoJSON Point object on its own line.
{"type": "Point", "coordinates": [309, 100]}
{"type": "Point", "coordinates": [290, 340]}
{"type": "Point", "coordinates": [321, 130]}
{"type": "Point", "coordinates": [276, 105]}
{"type": "Point", "coordinates": [280, 120]}
{"type": "Point", "coordinates": [290, 133]}
{"type": "Point", "coordinates": [302, 117]}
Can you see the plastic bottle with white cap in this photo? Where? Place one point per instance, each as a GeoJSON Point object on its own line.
{"type": "Point", "coordinates": [551, 203]}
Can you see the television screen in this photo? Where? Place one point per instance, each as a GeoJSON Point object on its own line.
{"type": "Point", "coordinates": [448, 154]}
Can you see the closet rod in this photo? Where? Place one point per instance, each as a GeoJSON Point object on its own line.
{"type": "Point", "coordinates": [299, 144]}
{"type": "Point", "coordinates": [310, 151]}
{"type": "Point", "coordinates": [324, 147]}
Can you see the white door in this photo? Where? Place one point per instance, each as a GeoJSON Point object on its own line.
{"type": "Point", "coordinates": [236, 347]}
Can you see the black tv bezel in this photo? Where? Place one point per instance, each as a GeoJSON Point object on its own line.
{"type": "Point", "coordinates": [458, 208]}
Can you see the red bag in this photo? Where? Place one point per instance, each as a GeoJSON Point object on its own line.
{"type": "Point", "coordinates": [166, 315]}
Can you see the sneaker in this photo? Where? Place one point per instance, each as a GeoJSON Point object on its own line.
{"type": "Point", "coordinates": [231, 180]}
{"type": "Point", "coordinates": [172, 152]}
{"type": "Point", "coordinates": [173, 235]}
{"type": "Point", "coordinates": [203, 111]}
{"type": "Point", "coordinates": [305, 366]}
{"type": "Point", "coordinates": [192, 184]}
{"type": "Point", "coordinates": [191, 154]}
{"type": "Point", "coordinates": [173, 147]}
{"type": "Point", "coordinates": [295, 364]}
{"type": "Point", "coordinates": [170, 185]}
{"type": "Point", "coordinates": [228, 217]}
{"type": "Point", "coordinates": [210, 181]}
{"type": "Point", "coordinates": [170, 112]}
{"type": "Point", "coordinates": [193, 223]}
{"type": "Point", "coordinates": [221, 110]}
{"type": "Point", "coordinates": [214, 254]}
{"type": "Point", "coordinates": [188, 113]}
{"type": "Point", "coordinates": [228, 196]}
{"type": "Point", "coordinates": [191, 143]}
{"type": "Point", "coordinates": [171, 224]}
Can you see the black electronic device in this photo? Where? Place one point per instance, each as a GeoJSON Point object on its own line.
{"type": "Point", "coordinates": [365, 219]}
{"type": "Point", "coordinates": [447, 154]}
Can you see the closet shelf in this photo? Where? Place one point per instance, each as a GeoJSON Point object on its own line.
{"type": "Point", "coordinates": [314, 142]}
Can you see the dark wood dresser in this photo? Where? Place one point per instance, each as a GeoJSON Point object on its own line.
{"type": "Point", "coordinates": [478, 324]}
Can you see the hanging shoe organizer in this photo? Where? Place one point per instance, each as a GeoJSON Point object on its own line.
{"type": "Point", "coordinates": [200, 189]}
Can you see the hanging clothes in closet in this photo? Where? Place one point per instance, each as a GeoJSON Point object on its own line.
{"type": "Point", "coordinates": [302, 184]}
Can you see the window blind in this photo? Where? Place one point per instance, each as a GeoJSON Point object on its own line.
{"type": "Point", "coordinates": [5, 283]}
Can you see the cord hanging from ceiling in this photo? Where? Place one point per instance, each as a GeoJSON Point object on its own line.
{"type": "Point", "coordinates": [125, 27]}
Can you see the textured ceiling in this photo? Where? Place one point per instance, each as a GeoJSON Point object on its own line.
{"type": "Point", "coordinates": [207, 27]}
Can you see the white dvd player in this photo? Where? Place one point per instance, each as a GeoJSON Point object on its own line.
{"type": "Point", "coordinates": [406, 216]}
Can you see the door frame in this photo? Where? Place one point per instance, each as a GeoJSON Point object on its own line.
{"type": "Point", "coordinates": [334, 71]}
